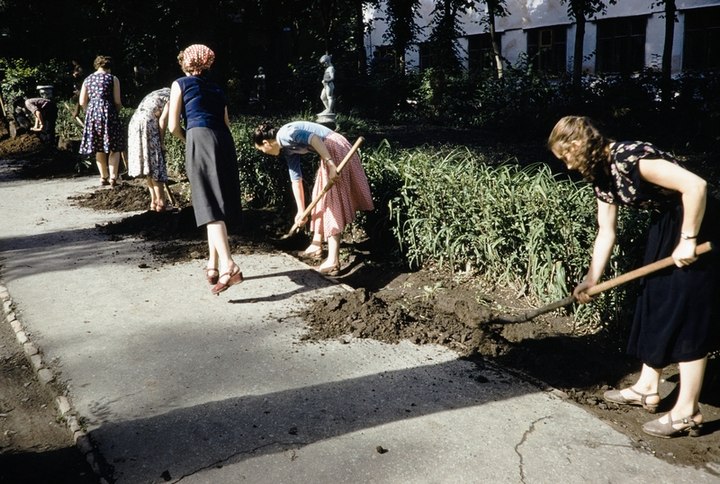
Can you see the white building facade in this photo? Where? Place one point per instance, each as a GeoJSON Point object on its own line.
{"type": "Point", "coordinates": [626, 37]}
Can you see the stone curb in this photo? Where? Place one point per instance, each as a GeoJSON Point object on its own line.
{"type": "Point", "coordinates": [46, 375]}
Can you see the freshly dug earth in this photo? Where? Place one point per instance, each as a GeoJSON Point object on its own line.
{"type": "Point", "coordinates": [390, 303]}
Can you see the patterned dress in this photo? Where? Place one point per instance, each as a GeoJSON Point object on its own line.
{"type": "Point", "coordinates": [350, 194]}
{"type": "Point", "coordinates": [678, 310]}
{"type": "Point", "coordinates": [351, 191]}
{"type": "Point", "coordinates": [103, 131]}
{"type": "Point", "coordinates": [145, 151]}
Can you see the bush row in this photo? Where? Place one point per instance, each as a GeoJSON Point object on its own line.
{"type": "Point", "coordinates": [522, 227]}
{"type": "Point", "coordinates": [515, 226]}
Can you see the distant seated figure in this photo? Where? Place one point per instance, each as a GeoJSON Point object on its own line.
{"type": "Point", "coordinates": [327, 96]}
{"type": "Point", "coordinates": [44, 112]}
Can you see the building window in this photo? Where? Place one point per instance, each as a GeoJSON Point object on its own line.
{"type": "Point", "coordinates": [547, 49]}
{"type": "Point", "coordinates": [701, 49]}
{"type": "Point", "coordinates": [429, 56]}
{"type": "Point", "coordinates": [621, 44]}
{"type": "Point", "coordinates": [384, 59]}
{"type": "Point", "coordinates": [481, 58]}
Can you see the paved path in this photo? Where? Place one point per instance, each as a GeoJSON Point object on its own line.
{"type": "Point", "coordinates": [176, 385]}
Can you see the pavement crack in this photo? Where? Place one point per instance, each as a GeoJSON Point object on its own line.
{"type": "Point", "coordinates": [221, 462]}
{"type": "Point", "coordinates": [526, 434]}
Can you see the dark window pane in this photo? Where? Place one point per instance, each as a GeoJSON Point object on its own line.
{"type": "Point", "coordinates": [481, 59]}
{"type": "Point", "coordinates": [547, 49]}
{"type": "Point", "coordinates": [621, 44]}
{"type": "Point", "coordinates": [701, 46]}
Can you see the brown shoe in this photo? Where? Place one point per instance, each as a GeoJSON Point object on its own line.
{"type": "Point", "coordinates": [329, 271]}
{"type": "Point", "coordinates": [234, 277]}
{"type": "Point", "coordinates": [212, 275]}
{"type": "Point", "coordinates": [667, 430]}
{"type": "Point", "coordinates": [616, 396]}
{"type": "Point", "coordinates": [313, 255]}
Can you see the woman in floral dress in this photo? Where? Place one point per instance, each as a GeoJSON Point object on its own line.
{"type": "Point", "coordinates": [677, 312]}
{"type": "Point", "coordinates": [146, 152]}
{"type": "Point", "coordinates": [103, 133]}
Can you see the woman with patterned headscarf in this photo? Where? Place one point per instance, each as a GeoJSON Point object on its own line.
{"type": "Point", "coordinates": [210, 159]}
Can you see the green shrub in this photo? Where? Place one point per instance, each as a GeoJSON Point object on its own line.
{"type": "Point", "coordinates": [519, 227]}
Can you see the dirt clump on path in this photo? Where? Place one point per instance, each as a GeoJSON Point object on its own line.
{"type": "Point", "coordinates": [389, 303]}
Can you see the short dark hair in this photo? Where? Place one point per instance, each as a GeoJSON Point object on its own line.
{"type": "Point", "coordinates": [265, 130]}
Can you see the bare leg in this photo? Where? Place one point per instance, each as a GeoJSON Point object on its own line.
{"type": "Point", "coordinates": [159, 189]}
{"type": "Point", "coordinates": [157, 194]}
{"type": "Point", "coordinates": [649, 380]}
{"type": "Point", "coordinates": [219, 249]}
{"type": "Point", "coordinates": [333, 259]}
{"type": "Point", "coordinates": [113, 163]}
{"type": "Point", "coordinates": [315, 244]}
{"type": "Point", "coordinates": [153, 199]}
{"type": "Point", "coordinates": [38, 121]}
{"type": "Point", "coordinates": [692, 374]}
{"type": "Point", "coordinates": [685, 416]}
{"type": "Point", "coordinates": [101, 159]}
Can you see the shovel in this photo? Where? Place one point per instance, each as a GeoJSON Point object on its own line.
{"type": "Point", "coordinates": [327, 188]}
{"type": "Point", "coordinates": [597, 289]}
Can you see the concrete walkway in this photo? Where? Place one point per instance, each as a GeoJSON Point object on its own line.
{"type": "Point", "coordinates": [172, 384]}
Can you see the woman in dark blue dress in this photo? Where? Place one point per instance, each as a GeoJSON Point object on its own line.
{"type": "Point", "coordinates": [678, 311]}
{"type": "Point", "coordinates": [210, 159]}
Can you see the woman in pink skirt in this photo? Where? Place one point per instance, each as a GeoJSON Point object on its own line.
{"type": "Point", "coordinates": [350, 192]}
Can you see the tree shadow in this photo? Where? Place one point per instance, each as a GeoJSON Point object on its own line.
{"type": "Point", "coordinates": [186, 440]}
{"type": "Point", "coordinates": [58, 466]}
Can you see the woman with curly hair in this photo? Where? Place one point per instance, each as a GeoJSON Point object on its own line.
{"type": "Point", "coordinates": [677, 312]}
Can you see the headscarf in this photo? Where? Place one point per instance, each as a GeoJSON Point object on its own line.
{"type": "Point", "coordinates": [197, 58]}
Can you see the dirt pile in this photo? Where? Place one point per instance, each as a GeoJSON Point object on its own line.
{"type": "Point", "coordinates": [398, 313]}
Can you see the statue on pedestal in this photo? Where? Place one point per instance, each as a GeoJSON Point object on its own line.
{"type": "Point", "coordinates": [327, 96]}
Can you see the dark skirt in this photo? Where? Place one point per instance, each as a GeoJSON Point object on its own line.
{"type": "Point", "coordinates": [678, 312]}
{"type": "Point", "coordinates": [211, 166]}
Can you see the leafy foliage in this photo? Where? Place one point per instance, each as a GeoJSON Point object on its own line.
{"type": "Point", "coordinates": [521, 227]}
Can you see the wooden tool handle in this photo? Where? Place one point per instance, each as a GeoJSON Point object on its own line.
{"type": "Point", "coordinates": [597, 289]}
{"type": "Point", "coordinates": [643, 271]}
{"type": "Point", "coordinates": [328, 186]}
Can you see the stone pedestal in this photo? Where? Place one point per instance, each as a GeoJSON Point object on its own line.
{"type": "Point", "coordinates": [325, 118]}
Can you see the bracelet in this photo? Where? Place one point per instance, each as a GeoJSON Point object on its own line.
{"type": "Point", "coordinates": [685, 236]}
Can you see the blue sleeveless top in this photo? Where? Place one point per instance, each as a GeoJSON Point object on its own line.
{"type": "Point", "coordinates": [203, 103]}
{"type": "Point", "coordinates": [294, 140]}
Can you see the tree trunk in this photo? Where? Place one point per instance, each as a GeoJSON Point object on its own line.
{"type": "Point", "coordinates": [359, 34]}
{"type": "Point", "coordinates": [578, 51]}
{"type": "Point", "coordinates": [666, 81]}
{"type": "Point", "coordinates": [493, 40]}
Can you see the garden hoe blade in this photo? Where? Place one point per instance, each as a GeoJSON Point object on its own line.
{"type": "Point", "coordinates": [604, 286]}
{"type": "Point", "coordinates": [325, 189]}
